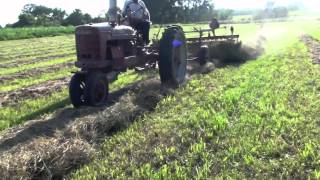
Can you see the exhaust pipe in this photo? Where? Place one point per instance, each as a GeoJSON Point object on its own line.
{"type": "Point", "coordinates": [112, 4]}
{"type": "Point", "coordinates": [113, 12]}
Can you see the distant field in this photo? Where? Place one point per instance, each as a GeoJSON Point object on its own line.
{"type": "Point", "coordinates": [304, 13]}
{"type": "Point", "coordinates": [316, 33]}
{"type": "Point", "coordinates": [33, 32]}
{"type": "Point", "coordinates": [242, 18]}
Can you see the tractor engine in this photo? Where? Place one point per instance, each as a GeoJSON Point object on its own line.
{"type": "Point", "coordinates": [98, 45]}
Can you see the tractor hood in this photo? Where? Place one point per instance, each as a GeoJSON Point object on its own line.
{"type": "Point", "coordinates": [107, 31]}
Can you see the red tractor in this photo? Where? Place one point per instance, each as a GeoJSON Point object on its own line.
{"type": "Point", "coordinates": [106, 49]}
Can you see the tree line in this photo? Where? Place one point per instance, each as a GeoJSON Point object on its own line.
{"type": "Point", "coordinates": [37, 15]}
{"type": "Point", "coordinates": [272, 11]}
{"type": "Point", "coordinates": [185, 11]}
{"type": "Point", "coordinates": [164, 11]}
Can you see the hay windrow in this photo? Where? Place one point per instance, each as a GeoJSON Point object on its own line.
{"type": "Point", "coordinates": [58, 152]}
{"type": "Point", "coordinates": [45, 158]}
{"type": "Point", "coordinates": [313, 46]}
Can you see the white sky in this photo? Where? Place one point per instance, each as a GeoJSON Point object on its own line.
{"type": "Point", "coordinates": [10, 9]}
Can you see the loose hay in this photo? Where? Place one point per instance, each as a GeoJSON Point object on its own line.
{"type": "Point", "coordinates": [75, 145]}
{"type": "Point", "coordinates": [45, 159]}
{"type": "Point", "coordinates": [313, 46]}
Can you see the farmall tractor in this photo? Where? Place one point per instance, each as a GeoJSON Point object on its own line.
{"type": "Point", "coordinates": [104, 47]}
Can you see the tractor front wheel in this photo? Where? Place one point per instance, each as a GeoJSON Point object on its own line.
{"type": "Point", "coordinates": [97, 89]}
{"type": "Point", "coordinates": [173, 56]}
{"type": "Point", "coordinates": [76, 90]}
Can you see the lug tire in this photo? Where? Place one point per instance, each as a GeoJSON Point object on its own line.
{"type": "Point", "coordinates": [97, 89]}
{"type": "Point", "coordinates": [76, 90]}
{"type": "Point", "coordinates": [173, 56]}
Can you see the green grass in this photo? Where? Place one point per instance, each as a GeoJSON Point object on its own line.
{"type": "Point", "coordinates": [36, 53]}
{"type": "Point", "coordinates": [8, 71]}
{"type": "Point", "coordinates": [259, 120]}
{"type": "Point", "coordinates": [34, 32]}
{"type": "Point", "coordinates": [16, 46]}
{"type": "Point", "coordinates": [316, 33]}
{"type": "Point", "coordinates": [22, 83]}
{"type": "Point", "coordinates": [21, 51]}
{"type": "Point", "coordinates": [304, 13]}
{"type": "Point", "coordinates": [32, 108]}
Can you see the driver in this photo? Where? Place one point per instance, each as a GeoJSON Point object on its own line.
{"type": "Point", "coordinates": [139, 17]}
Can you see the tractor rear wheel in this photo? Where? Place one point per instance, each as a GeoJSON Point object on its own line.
{"type": "Point", "coordinates": [76, 90]}
{"type": "Point", "coordinates": [97, 89]}
{"type": "Point", "coordinates": [173, 56]}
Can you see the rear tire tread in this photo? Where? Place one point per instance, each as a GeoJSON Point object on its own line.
{"type": "Point", "coordinates": [166, 52]}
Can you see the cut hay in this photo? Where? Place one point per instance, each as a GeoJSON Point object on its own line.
{"type": "Point", "coordinates": [75, 145]}
{"type": "Point", "coordinates": [45, 159]}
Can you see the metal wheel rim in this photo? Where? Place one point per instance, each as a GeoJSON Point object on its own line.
{"type": "Point", "coordinates": [82, 86]}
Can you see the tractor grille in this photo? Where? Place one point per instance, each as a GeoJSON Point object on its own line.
{"type": "Point", "coordinates": [88, 44]}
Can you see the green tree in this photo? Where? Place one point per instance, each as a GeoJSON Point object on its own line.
{"type": "Point", "coordinates": [168, 11]}
{"type": "Point", "coordinates": [77, 18]}
{"type": "Point", "coordinates": [99, 19]}
{"type": "Point", "coordinates": [58, 15]}
{"type": "Point", "coordinates": [280, 12]}
{"type": "Point", "coordinates": [34, 15]}
{"type": "Point", "coordinates": [25, 20]}
{"type": "Point", "coordinates": [272, 11]}
{"type": "Point", "coordinates": [40, 13]}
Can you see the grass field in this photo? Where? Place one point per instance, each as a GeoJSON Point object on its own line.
{"type": "Point", "coordinates": [258, 120]}
{"type": "Point", "coordinates": [33, 32]}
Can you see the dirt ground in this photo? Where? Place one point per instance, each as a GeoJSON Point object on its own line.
{"type": "Point", "coordinates": [314, 47]}
{"type": "Point", "coordinates": [24, 52]}
{"type": "Point", "coordinates": [32, 92]}
{"type": "Point", "coordinates": [32, 61]}
{"type": "Point", "coordinates": [35, 72]}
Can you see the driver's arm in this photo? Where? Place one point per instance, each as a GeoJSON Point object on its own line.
{"type": "Point", "coordinates": [145, 10]}
{"type": "Point", "coordinates": [125, 8]}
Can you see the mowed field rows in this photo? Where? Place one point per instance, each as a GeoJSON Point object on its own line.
{"type": "Point", "coordinates": [34, 74]}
